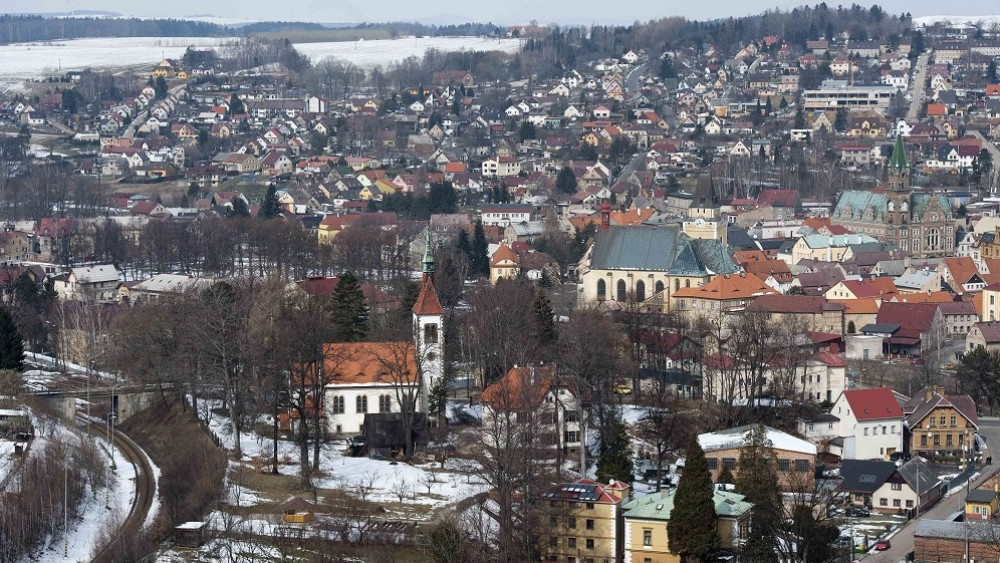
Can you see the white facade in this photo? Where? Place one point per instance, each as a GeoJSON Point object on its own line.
{"type": "Point", "coordinates": [869, 438]}
{"type": "Point", "coordinates": [346, 405]}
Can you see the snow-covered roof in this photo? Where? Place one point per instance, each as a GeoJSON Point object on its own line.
{"type": "Point", "coordinates": [735, 438]}
{"type": "Point", "coordinates": [95, 274]}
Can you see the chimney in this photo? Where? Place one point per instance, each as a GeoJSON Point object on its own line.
{"type": "Point", "coordinates": [605, 215]}
{"type": "Point", "coordinates": [930, 393]}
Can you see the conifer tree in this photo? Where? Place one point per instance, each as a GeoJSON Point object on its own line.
{"type": "Point", "coordinates": [545, 326]}
{"type": "Point", "coordinates": [757, 479]}
{"type": "Point", "coordinates": [615, 459]}
{"type": "Point", "coordinates": [691, 530]}
{"type": "Point", "coordinates": [566, 180]}
{"type": "Point", "coordinates": [11, 343]}
{"type": "Point", "coordinates": [348, 311]}
{"type": "Point", "coordinates": [270, 207]}
{"type": "Point", "coordinates": [480, 259]}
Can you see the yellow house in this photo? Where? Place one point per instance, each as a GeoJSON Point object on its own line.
{"type": "Point", "coordinates": [504, 264]}
{"type": "Point", "coordinates": [991, 303]}
{"type": "Point", "coordinates": [581, 521]}
{"type": "Point", "coordinates": [646, 518]}
{"type": "Point", "coordinates": [182, 74]}
{"type": "Point", "coordinates": [982, 504]}
{"type": "Point", "coordinates": [941, 425]}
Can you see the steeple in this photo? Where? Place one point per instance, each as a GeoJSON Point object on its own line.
{"type": "Point", "coordinates": [898, 159]}
{"type": "Point", "coordinates": [428, 261]}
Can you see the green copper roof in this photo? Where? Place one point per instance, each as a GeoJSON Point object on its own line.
{"type": "Point", "coordinates": [658, 506]}
{"type": "Point", "coordinates": [428, 261]}
{"type": "Point", "coordinates": [898, 159]}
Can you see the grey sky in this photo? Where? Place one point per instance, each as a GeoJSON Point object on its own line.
{"type": "Point", "coordinates": [447, 11]}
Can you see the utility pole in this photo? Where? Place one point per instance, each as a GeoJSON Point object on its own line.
{"type": "Point", "coordinates": [65, 508]}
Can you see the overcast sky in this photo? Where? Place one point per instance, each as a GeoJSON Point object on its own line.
{"type": "Point", "coordinates": [447, 11]}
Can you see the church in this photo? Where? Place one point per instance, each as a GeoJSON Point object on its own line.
{"type": "Point", "coordinates": [919, 223]}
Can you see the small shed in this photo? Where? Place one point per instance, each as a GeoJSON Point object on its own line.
{"type": "Point", "coordinates": [190, 534]}
{"type": "Point", "coordinates": [384, 433]}
{"type": "Point", "coordinates": [297, 510]}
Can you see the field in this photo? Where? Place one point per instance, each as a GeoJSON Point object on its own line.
{"type": "Point", "coordinates": [29, 61]}
{"type": "Point", "coordinates": [327, 35]}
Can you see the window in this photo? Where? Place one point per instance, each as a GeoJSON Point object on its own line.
{"type": "Point", "coordinates": [883, 501]}
{"type": "Point", "coordinates": [553, 542]}
{"type": "Point", "coordinates": [713, 463]}
{"type": "Point", "coordinates": [590, 524]}
{"type": "Point", "coordinates": [948, 440]}
{"type": "Point", "coordinates": [953, 422]}
{"type": "Point", "coordinates": [658, 287]}
{"type": "Point", "coordinates": [784, 464]}
{"type": "Point", "coordinates": [923, 440]}
{"type": "Point", "coordinates": [621, 291]}
{"type": "Point", "coordinates": [937, 439]}
{"type": "Point", "coordinates": [589, 544]}
{"type": "Point", "coordinates": [866, 430]}
{"type": "Point", "coordinates": [571, 522]}
{"type": "Point", "coordinates": [897, 486]}
{"type": "Point", "coordinates": [647, 537]}
{"type": "Point", "coordinates": [602, 290]}
{"type": "Point", "coordinates": [384, 403]}
{"type": "Point", "coordinates": [677, 285]}
{"type": "Point", "coordinates": [572, 436]}
{"type": "Point", "coordinates": [896, 502]}
{"type": "Point", "coordinates": [640, 291]}
{"type": "Point", "coordinates": [909, 504]}
{"type": "Point", "coordinates": [729, 462]}
{"type": "Point", "coordinates": [687, 283]}
{"type": "Point", "coordinates": [802, 465]}
{"type": "Point", "coordinates": [338, 404]}
{"type": "Point", "coordinates": [590, 506]}
{"type": "Point", "coordinates": [431, 333]}
{"type": "Point", "coordinates": [571, 543]}
{"type": "Point", "coordinates": [942, 420]}
{"type": "Point", "coordinates": [361, 404]}
{"type": "Point", "coordinates": [647, 560]}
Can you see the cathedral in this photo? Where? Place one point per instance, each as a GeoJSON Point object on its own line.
{"type": "Point", "coordinates": [919, 223]}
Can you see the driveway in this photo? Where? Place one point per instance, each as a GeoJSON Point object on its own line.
{"type": "Point", "coordinates": [902, 542]}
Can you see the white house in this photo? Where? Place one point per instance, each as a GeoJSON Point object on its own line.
{"type": "Point", "coordinates": [871, 423]}
{"type": "Point", "coordinates": [91, 284]}
{"type": "Point", "coordinates": [530, 403]}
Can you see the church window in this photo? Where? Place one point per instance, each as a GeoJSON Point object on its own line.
{"type": "Point", "coordinates": [384, 403]}
{"type": "Point", "coordinates": [659, 286]}
{"type": "Point", "coordinates": [361, 404]}
{"type": "Point", "coordinates": [621, 291]}
{"type": "Point", "coordinates": [687, 283]}
{"type": "Point", "coordinates": [677, 284]}
{"type": "Point", "coordinates": [338, 404]}
{"type": "Point", "coordinates": [640, 291]}
{"type": "Point", "coordinates": [602, 290]}
{"type": "Point", "coordinates": [431, 333]}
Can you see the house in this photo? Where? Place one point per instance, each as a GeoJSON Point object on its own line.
{"type": "Point", "coordinates": [982, 504]}
{"type": "Point", "coordinates": [882, 486]}
{"type": "Point", "coordinates": [505, 214]}
{"type": "Point", "coordinates": [385, 377]}
{"type": "Point", "coordinates": [825, 248]}
{"type": "Point", "coordinates": [727, 292]}
{"type": "Point", "coordinates": [646, 520]}
{"type": "Point", "coordinates": [504, 264]}
{"type": "Point", "coordinates": [92, 284]}
{"type": "Point", "coordinates": [813, 312]}
{"type": "Point", "coordinates": [871, 423]}
{"type": "Point", "coordinates": [983, 334]}
{"type": "Point", "coordinates": [584, 521]}
{"type": "Point", "coordinates": [796, 457]}
{"type": "Point", "coordinates": [940, 424]}
{"type": "Point", "coordinates": [531, 405]}
{"type": "Point", "coordinates": [908, 328]}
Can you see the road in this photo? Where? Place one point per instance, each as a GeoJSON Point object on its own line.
{"type": "Point", "coordinates": [902, 542]}
{"type": "Point", "coordinates": [918, 87]}
{"type": "Point", "coordinates": [994, 152]}
{"type": "Point", "coordinates": [632, 81]}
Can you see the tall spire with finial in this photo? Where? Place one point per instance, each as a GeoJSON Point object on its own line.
{"type": "Point", "coordinates": [898, 159]}
{"type": "Point", "coordinates": [428, 261]}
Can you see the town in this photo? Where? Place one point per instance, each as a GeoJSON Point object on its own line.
{"type": "Point", "coordinates": [680, 291]}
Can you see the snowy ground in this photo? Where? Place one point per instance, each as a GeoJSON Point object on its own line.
{"type": "Point", "coordinates": [6, 458]}
{"type": "Point", "coordinates": [27, 61]}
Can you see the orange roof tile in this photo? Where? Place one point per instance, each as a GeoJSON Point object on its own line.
{"type": "Point", "coordinates": [354, 363]}
{"type": "Point", "coordinates": [933, 297]}
{"type": "Point", "coordinates": [728, 286]}
{"type": "Point", "coordinates": [961, 268]}
{"type": "Point", "coordinates": [427, 302]}
{"type": "Point", "coordinates": [504, 253]}
{"type": "Point", "coordinates": [631, 218]}
{"type": "Point", "coordinates": [521, 388]}
{"type": "Point", "coordinates": [867, 306]}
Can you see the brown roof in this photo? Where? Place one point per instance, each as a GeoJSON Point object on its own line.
{"type": "Point", "coordinates": [867, 306]}
{"type": "Point", "coordinates": [929, 398]}
{"type": "Point", "coordinates": [728, 286]}
{"type": "Point", "coordinates": [793, 304]}
{"type": "Point", "coordinates": [504, 253]}
{"type": "Point", "coordinates": [522, 388]}
{"type": "Point", "coordinates": [358, 363]}
{"type": "Point", "coordinates": [990, 330]}
{"type": "Point", "coordinates": [962, 269]}
{"type": "Point", "coordinates": [427, 302]}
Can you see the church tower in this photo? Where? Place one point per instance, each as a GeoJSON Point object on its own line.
{"type": "Point", "coordinates": [703, 216]}
{"type": "Point", "coordinates": [428, 330]}
{"type": "Point", "coordinates": [897, 210]}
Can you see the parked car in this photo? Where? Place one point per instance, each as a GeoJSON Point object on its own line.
{"type": "Point", "coordinates": [858, 511]}
{"type": "Point", "coordinates": [882, 545]}
{"type": "Point", "coordinates": [622, 389]}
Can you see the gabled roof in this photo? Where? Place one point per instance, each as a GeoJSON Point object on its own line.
{"type": "Point", "coordinates": [865, 475]}
{"type": "Point", "coordinates": [659, 506]}
{"type": "Point", "coordinates": [778, 303]}
{"type": "Point", "coordinates": [520, 389]}
{"type": "Point", "coordinates": [427, 301]}
{"type": "Point", "coordinates": [734, 438]}
{"type": "Point", "coordinates": [913, 318]}
{"type": "Point", "coordinates": [361, 363]}
{"type": "Point", "coordinates": [729, 286]}
{"type": "Point", "coordinates": [873, 404]}
{"type": "Point", "coordinates": [927, 399]}
{"type": "Point", "coordinates": [586, 490]}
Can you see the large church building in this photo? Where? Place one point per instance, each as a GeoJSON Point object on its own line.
{"type": "Point", "coordinates": [920, 223]}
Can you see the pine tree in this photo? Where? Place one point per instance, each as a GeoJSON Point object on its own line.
{"type": "Point", "coordinates": [236, 106]}
{"type": "Point", "coordinates": [691, 530]}
{"type": "Point", "coordinates": [480, 262]}
{"type": "Point", "coordinates": [615, 454]}
{"type": "Point", "coordinates": [725, 476]}
{"type": "Point", "coordinates": [239, 208]}
{"type": "Point", "coordinates": [566, 180]}
{"type": "Point", "coordinates": [348, 311]}
{"type": "Point", "coordinates": [545, 326]}
{"type": "Point", "coordinates": [11, 343]}
{"type": "Point", "coordinates": [270, 207]}
{"type": "Point", "coordinates": [160, 88]}
{"type": "Point", "coordinates": [757, 479]}
{"type": "Point", "coordinates": [464, 245]}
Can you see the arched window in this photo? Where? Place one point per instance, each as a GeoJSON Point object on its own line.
{"type": "Point", "coordinates": [338, 404]}
{"type": "Point", "coordinates": [687, 283]}
{"type": "Point", "coordinates": [384, 403]}
{"type": "Point", "coordinates": [621, 291]}
{"type": "Point", "coordinates": [933, 239]}
{"type": "Point", "coordinates": [602, 290]}
{"type": "Point", "coordinates": [640, 291]}
{"type": "Point", "coordinates": [677, 284]}
{"type": "Point", "coordinates": [430, 334]}
{"type": "Point", "coordinates": [361, 404]}
{"type": "Point", "coordinates": [659, 286]}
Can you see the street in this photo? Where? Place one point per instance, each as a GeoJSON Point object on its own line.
{"type": "Point", "coordinates": [902, 542]}
{"type": "Point", "coordinates": [918, 86]}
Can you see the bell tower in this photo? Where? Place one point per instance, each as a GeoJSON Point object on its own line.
{"type": "Point", "coordinates": [897, 214]}
{"type": "Point", "coordinates": [428, 330]}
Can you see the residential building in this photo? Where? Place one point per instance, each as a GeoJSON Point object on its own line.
{"type": "Point", "coordinates": [728, 292]}
{"type": "Point", "coordinates": [986, 335]}
{"type": "Point", "coordinates": [531, 407]}
{"type": "Point", "coordinates": [940, 424]}
{"type": "Point", "coordinates": [870, 423]}
{"type": "Point", "coordinates": [810, 312]}
{"type": "Point", "coordinates": [882, 486]}
{"type": "Point", "coordinates": [647, 517]}
{"type": "Point", "coordinates": [982, 504]}
{"type": "Point", "coordinates": [796, 457]}
{"type": "Point", "coordinates": [94, 284]}
{"type": "Point", "coordinates": [823, 248]}
{"type": "Point", "coordinates": [991, 303]}
{"type": "Point", "coordinates": [502, 215]}
{"type": "Point", "coordinates": [584, 522]}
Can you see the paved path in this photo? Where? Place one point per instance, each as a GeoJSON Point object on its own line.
{"type": "Point", "coordinates": [902, 542]}
{"type": "Point", "coordinates": [918, 87]}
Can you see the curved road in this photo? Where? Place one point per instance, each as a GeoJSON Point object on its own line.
{"type": "Point", "coordinates": [145, 490]}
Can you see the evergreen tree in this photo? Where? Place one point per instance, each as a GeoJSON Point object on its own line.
{"type": "Point", "coordinates": [11, 343]}
{"type": "Point", "coordinates": [768, 106]}
{"type": "Point", "coordinates": [725, 476]}
{"type": "Point", "coordinates": [840, 122]}
{"type": "Point", "coordinates": [545, 326]}
{"type": "Point", "coordinates": [160, 88]}
{"type": "Point", "coordinates": [691, 530]}
{"type": "Point", "coordinates": [526, 131]}
{"type": "Point", "coordinates": [615, 454]}
{"type": "Point", "coordinates": [348, 311]}
{"type": "Point", "coordinates": [800, 118]}
{"type": "Point", "coordinates": [239, 208]}
{"type": "Point", "coordinates": [566, 180]}
{"type": "Point", "coordinates": [236, 106]}
{"type": "Point", "coordinates": [991, 73]}
{"type": "Point", "coordinates": [270, 208]}
{"type": "Point", "coordinates": [464, 245]}
{"type": "Point", "coordinates": [757, 479]}
{"type": "Point", "coordinates": [480, 262]}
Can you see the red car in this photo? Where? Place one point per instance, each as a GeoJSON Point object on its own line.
{"type": "Point", "coordinates": [882, 545]}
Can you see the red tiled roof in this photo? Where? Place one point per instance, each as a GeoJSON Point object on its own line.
{"type": "Point", "coordinates": [873, 404]}
{"type": "Point", "coordinates": [522, 388]}
{"type": "Point", "coordinates": [427, 302]}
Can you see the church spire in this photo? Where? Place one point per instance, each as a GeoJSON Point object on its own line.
{"type": "Point", "coordinates": [898, 159]}
{"type": "Point", "coordinates": [428, 261]}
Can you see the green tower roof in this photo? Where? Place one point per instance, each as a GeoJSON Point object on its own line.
{"type": "Point", "coordinates": [898, 159]}
{"type": "Point", "coordinates": [428, 261]}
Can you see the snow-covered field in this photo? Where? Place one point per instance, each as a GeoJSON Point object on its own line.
{"type": "Point", "coordinates": [924, 21]}
{"type": "Point", "coordinates": [36, 60]}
